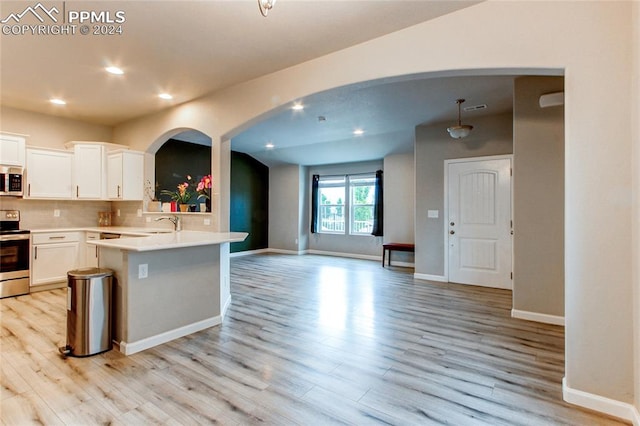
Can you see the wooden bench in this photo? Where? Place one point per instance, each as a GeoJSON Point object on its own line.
{"type": "Point", "coordinates": [396, 247]}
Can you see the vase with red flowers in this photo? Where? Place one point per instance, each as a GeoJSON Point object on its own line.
{"type": "Point", "coordinates": [204, 191]}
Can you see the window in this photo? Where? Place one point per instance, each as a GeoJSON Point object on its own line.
{"type": "Point", "coordinates": [331, 205]}
{"type": "Point", "coordinates": [362, 199]}
{"type": "Point", "coordinates": [336, 209]}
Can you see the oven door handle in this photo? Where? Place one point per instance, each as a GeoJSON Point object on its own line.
{"type": "Point", "coordinates": [14, 237]}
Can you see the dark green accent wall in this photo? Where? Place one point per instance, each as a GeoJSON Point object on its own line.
{"type": "Point", "coordinates": [249, 202]}
{"type": "Point", "coordinates": [177, 159]}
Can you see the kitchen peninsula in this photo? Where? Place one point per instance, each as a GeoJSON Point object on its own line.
{"type": "Point", "coordinates": [167, 285]}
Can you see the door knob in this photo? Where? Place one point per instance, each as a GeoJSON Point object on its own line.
{"type": "Point", "coordinates": [452, 232]}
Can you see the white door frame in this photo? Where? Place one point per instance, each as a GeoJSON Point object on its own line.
{"type": "Point", "coordinates": [445, 228]}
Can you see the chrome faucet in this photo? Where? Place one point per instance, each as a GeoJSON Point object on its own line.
{"type": "Point", "coordinates": [173, 219]}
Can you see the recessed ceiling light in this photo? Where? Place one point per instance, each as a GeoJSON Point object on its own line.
{"type": "Point", "coordinates": [165, 96]}
{"type": "Point", "coordinates": [114, 70]}
{"type": "Point", "coordinates": [269, 145]}
{"type": "Point", "coordinates": [57, 101]}
{"type": "Point", "coordinates": [358, 132]}
{"type": "Point", "coordinates": [297, 107]}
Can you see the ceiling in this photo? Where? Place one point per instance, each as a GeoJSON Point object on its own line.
{"type": "Point", "coordinates": [387, 112]}
{"type": "Point", "coordinates": [192, 48]}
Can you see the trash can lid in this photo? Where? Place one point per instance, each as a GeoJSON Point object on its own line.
{"type": "Point", "coordinates": [84, 273]}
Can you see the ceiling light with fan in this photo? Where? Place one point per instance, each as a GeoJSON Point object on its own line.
{"type": "Point", "coordinates": [460, 130]}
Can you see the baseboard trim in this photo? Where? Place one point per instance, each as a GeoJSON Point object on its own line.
{"type": "Point", "coordinates": [283, 251]}
{"type": "Point", "coordinates": [129, 348]}
{"type": "Point", "coordinates": [601, 404]}
{"type": "Point", "coordinates": [224, 309]}
{"type": "Point", "coordinates": [351, 255]}
{"type": "Point", "coordinates": [428, 277]}
{"type": "Point", "coordinates": [248, 252]}
{"type": "Point", "coordinates": [318, 252]}
{"type": "Point", "coordinates": [403, 264]}
{"type": "Point", "coordinates": [537, 317]}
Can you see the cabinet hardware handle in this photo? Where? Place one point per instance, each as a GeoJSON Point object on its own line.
{"type": "Point", "coordinates": [118, 191]}
{"type": "Point", "coordinates": [29, 190]}
{"type": "Point", "coordinates": [61, 237]}
{"type": "Point", "coordinates": [77, 191]}
{"type": "Point", "coordinates": [35, 254]}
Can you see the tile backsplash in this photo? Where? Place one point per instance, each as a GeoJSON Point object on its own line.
{"type": "Point", "coordinates": [49, 214]}
{"type": "Point", "coordinates": [45, 214]}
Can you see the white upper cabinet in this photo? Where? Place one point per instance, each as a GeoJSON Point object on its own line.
{"type": "Point", "coordinates": [86, 171]}
{"type": "Point", "coordinates": [12, 150]}
{"type": "Point", "coordinates": [89, 171]}
{"type": "Point", "coordinates": [48, 174]}
{"type": "Point", "coordinates": [125, 174]}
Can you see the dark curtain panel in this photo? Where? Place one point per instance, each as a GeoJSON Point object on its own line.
{"type": "Point", "coordinates": [378, 206]}
{"type": "Point", "coordinates": [314, 203]}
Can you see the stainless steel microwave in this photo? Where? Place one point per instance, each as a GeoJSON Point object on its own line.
{"type": "Point", "coordinates": [11, 181]}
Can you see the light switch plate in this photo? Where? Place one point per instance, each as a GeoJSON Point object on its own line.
{"type": "Point", "coordinates": [143, 270]}
{"type": "Point", "coordinates": [433, 214]}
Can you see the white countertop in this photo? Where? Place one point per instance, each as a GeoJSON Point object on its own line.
{"type": "Point", "coordinates": [171, 240]}
{"type": "Point", "coordinates": [123, 230]}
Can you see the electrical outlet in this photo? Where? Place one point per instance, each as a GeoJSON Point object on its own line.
{"type": "Point", "coordinates": [143, 270]}
{"type": "Point", "coordinates": [56, 212]}
{"type": "Point", "coordinates": [118, 212]}
{"type": "Point", "coordinates": [207, 221]}
{"type": "Point", "coordinates": [148, 219]}
{"type": "Point", "coordinates": [139, 213]}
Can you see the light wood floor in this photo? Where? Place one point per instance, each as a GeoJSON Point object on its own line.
{"type": "Point", "coordinates": [308, 340]}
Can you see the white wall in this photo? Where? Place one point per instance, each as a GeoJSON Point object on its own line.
{"type": "Point", "coordinates": [538, 200]}
{"type": "Point", "coordinates": [635, 108]}
{"type": "Point", "coordinates": [528, 37]}
{"type": "Point", "coordinates": [49, 131]}
{"type": "Point", "coordinates": [284, 207]}
{"type": "Point", "coordinates": [399, 203]}
{"type": "Point", "coordinates": [304, 209]}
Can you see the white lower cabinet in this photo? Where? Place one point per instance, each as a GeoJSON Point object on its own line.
{"type": "Point", "coordinates": [91, 250]}
{"type": "Point", "coordinates": [53, 255]}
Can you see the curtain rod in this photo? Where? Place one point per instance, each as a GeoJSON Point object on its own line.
{"type": "Point", "coordinates": [349, 175]}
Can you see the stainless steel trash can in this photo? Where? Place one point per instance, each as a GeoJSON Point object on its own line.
{"type": "Point", "coordinates": [89, 295]}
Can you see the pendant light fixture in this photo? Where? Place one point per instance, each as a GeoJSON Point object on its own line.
{"type": "Point", "coordinates": [265, 6]}
{"type": "Point", "coordinates": [460, 130]}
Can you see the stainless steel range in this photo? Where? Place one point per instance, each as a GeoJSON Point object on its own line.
{"type": "Point", "coordinates": [14, 255]}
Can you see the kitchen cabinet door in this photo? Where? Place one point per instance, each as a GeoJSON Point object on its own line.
{"type": "Point", "coordinates": [125, 172]}
{"type": "Point", "coordinates": [89, 171]}
{"type": "Point", "coordinates": [12, 150]}
{"type": "Point", "coordinates": [48, 174]}
{"type": "Point", "coordinates": [90, 250]}
{"type": "Point", "coordinates": [51, 262]}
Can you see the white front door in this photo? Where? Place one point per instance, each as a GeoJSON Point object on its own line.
{"type": "Point", "coordinates": [479, 221]}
